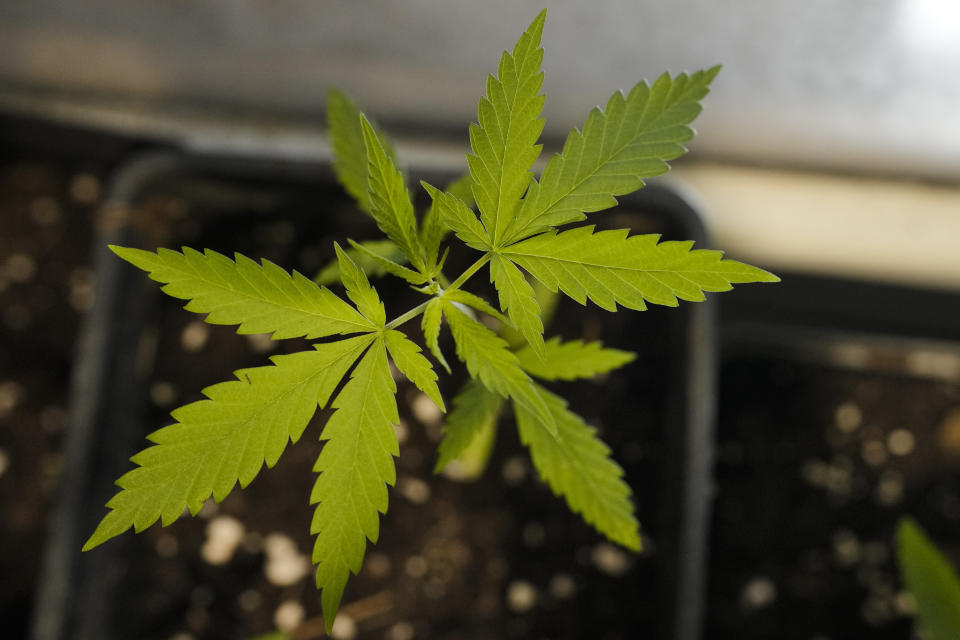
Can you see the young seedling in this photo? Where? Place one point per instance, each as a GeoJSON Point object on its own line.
{"type": "Point", "coordinates": [248, 422]}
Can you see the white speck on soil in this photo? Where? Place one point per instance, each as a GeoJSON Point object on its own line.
{"type": "Point", "coordinates": [402, 431]}
{"type": "Point", "coordinates": [10, 394]}
{"type": "Point", "coordinates": [19, 267]}
{"type": "Point", "coordinates": [402, 630]}
{"type": "Point", "coordinates": [562, 586]}
{"type": "Point", "coordinates": [889, 489]}
{"type": "Point", "coordinates": [285, 564]}
{"type": "Point", "coordinates": [85, 188]}
{"type": "Point", "coordinates": [414, 489]}
{"type": "Point", "coordinates": [250, 600]}
{"type": "Point", "coordinates": [900, 442]}
{"type": "Point", "coordinates": [81, 289]}
{"type": "Point", "coordinates": [45, 211]}
{"type": "Point", "coordinates": [873, 452]}
{"type": "Point", "coordinates": [163, 394]}
{"type": "Point", "coordinates": [846, 548]}
{"type": "Point", "coordinates": [194, 336]}
{"type": "Point", "coordinates": [759, 593]}
{"type": "Point", "coordinates": [377, 564]}
{"type": "Point", "coordinates": [848, 417]}
{"type": "Point", "coordinates": [167, 545]}
{"type": "Point", "coordinates": [210, 508]}
{"type": "Point", "coordinates": [288, 615]}
{"type": "Point", "coordinates": [416, 566]}
{"type": "Point", "coordinates": [261, 342]}
{"type": "Point", "coordinates": [344, 627]}
{"type": "Point", "coordinates": [514, 470]}
{"type": "Point", "coordinates": [904, 604]}
{"type": "Point", "coordinates": [424, 410]}
{"type": "Point", "coordinates": [224, 534]}
{"type": "Point", "coordinates": [610, 559]}
{"type": "Point", "coordinates": [521, 596]}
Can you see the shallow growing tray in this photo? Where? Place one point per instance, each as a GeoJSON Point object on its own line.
{"type": "Point", "coordinates": [445, 567]}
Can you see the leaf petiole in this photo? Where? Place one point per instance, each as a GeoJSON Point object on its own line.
{"type": "Point", "coordinates": [409, 315]}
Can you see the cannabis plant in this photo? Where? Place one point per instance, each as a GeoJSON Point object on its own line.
{"type": "Point", "coordinates": [931, 580]}
{"type": "Point", "coordinates": [247, 422]}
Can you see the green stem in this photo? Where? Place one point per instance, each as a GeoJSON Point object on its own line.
{"type": "Point", "coordinates": [417, 310]}
{"type": "Point", "coordinates": [409, 315]}
{"type": "Point", "coordinates": [459, 282]}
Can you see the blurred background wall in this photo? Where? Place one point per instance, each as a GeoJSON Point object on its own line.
{"type": "Point", "coordinates": [865, 89]}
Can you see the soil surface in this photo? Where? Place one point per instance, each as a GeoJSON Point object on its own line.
{"type": "Point", "coordinates": [499, 557]}
{"type": "Point", "coordinates": [813, 464]}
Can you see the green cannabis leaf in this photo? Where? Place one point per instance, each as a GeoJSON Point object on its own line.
{"type": "Point", "coordinates": [577, 465]}
{"type": "Point", "coordinates": [261, 298]}
{"type": "Point", "coordinates": [245, 423]}
{"type": "Point", "coordinates": [349, 150]}
{"type": "Point", "coordinates": [572, 360]}
{"type": "Point", "coordinates": [631, 139]}
{"type": "Point", "coordinates": [931, 580]}
{"type": "Point", "coordinates": [608, 268]}
{"type": "Point", "coordinates": [355, 467]}
{"type": "Point", "coordinates": [218, 442]}
{"type": "Point", "coordinates": [504, 142]}
{"type": "Point", "coordinates": [489, 360]}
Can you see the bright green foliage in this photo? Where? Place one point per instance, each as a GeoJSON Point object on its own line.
{"type": "Point", "coordinates": [355, 467]}
{"type": "Point", "coordinates": [385, 265]}
{"type": "Point", "coordinates": [390, 202]}
{"type": "Point", "coordinates": [490, 361]}
{"type": "Point", "coordinates": [432, 319]}
{"type": "Point", "coordinates": [471, 300]}
{"type": "Point", "coordinates": [517, 299]}
{"type": "Point", "coordinates": [931, 580]}
{"type": "Point", "coordinates": [371, 266]}
{"type": "Point", "coordinates": [227, 438]}
{"type": "Point", "coordinates": [359, 289]}
{"type": "Point", "coordinates": [631, 139]}
{"type": "Point", "coordinates": [475, 415]}
{"type": "Point", "coordinates": [349, 151]}
{"type": "Point", "coordinates": [245, 423]}
{"type": "Point", "coordinates": [504, 142]}
{"type": "Point", "coordinates": [410, 361]}
{"type": "Point", "coordinates": [577, 465]}
{"type": "Point", "coordinates": [433, 229]}
{"type": "Point", "coordinates": [572, 360]}
{"type": "Point", "coordinates": [261, 298]}
{"type": "Point", "coordinates": [457, 216]}
{"type": "Point", "coordinates": [608, 268]}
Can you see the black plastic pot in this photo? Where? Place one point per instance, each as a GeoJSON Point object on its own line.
{"type": "Point", "coordinates": [657, 415]}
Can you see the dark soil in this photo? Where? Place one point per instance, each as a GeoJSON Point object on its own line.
{"type": "Point", "coordinates": [805, 506]}
{"type": "Point", "coordinates": [500, 557]}
{"type": "Point", "coordinates": [814, 470]}
{"type": "Point", "coordinates": [45, 288]}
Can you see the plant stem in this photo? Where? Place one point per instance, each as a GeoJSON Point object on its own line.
{"type": "Point", "coordinates": [417, 310]}
{"type": "Point", "coordinates": [469, 272]}
{"type": "Point", "coordinates": [409, 315]}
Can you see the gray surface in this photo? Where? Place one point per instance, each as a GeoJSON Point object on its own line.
{"type": "Point", "coordinates": [864, 86]}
